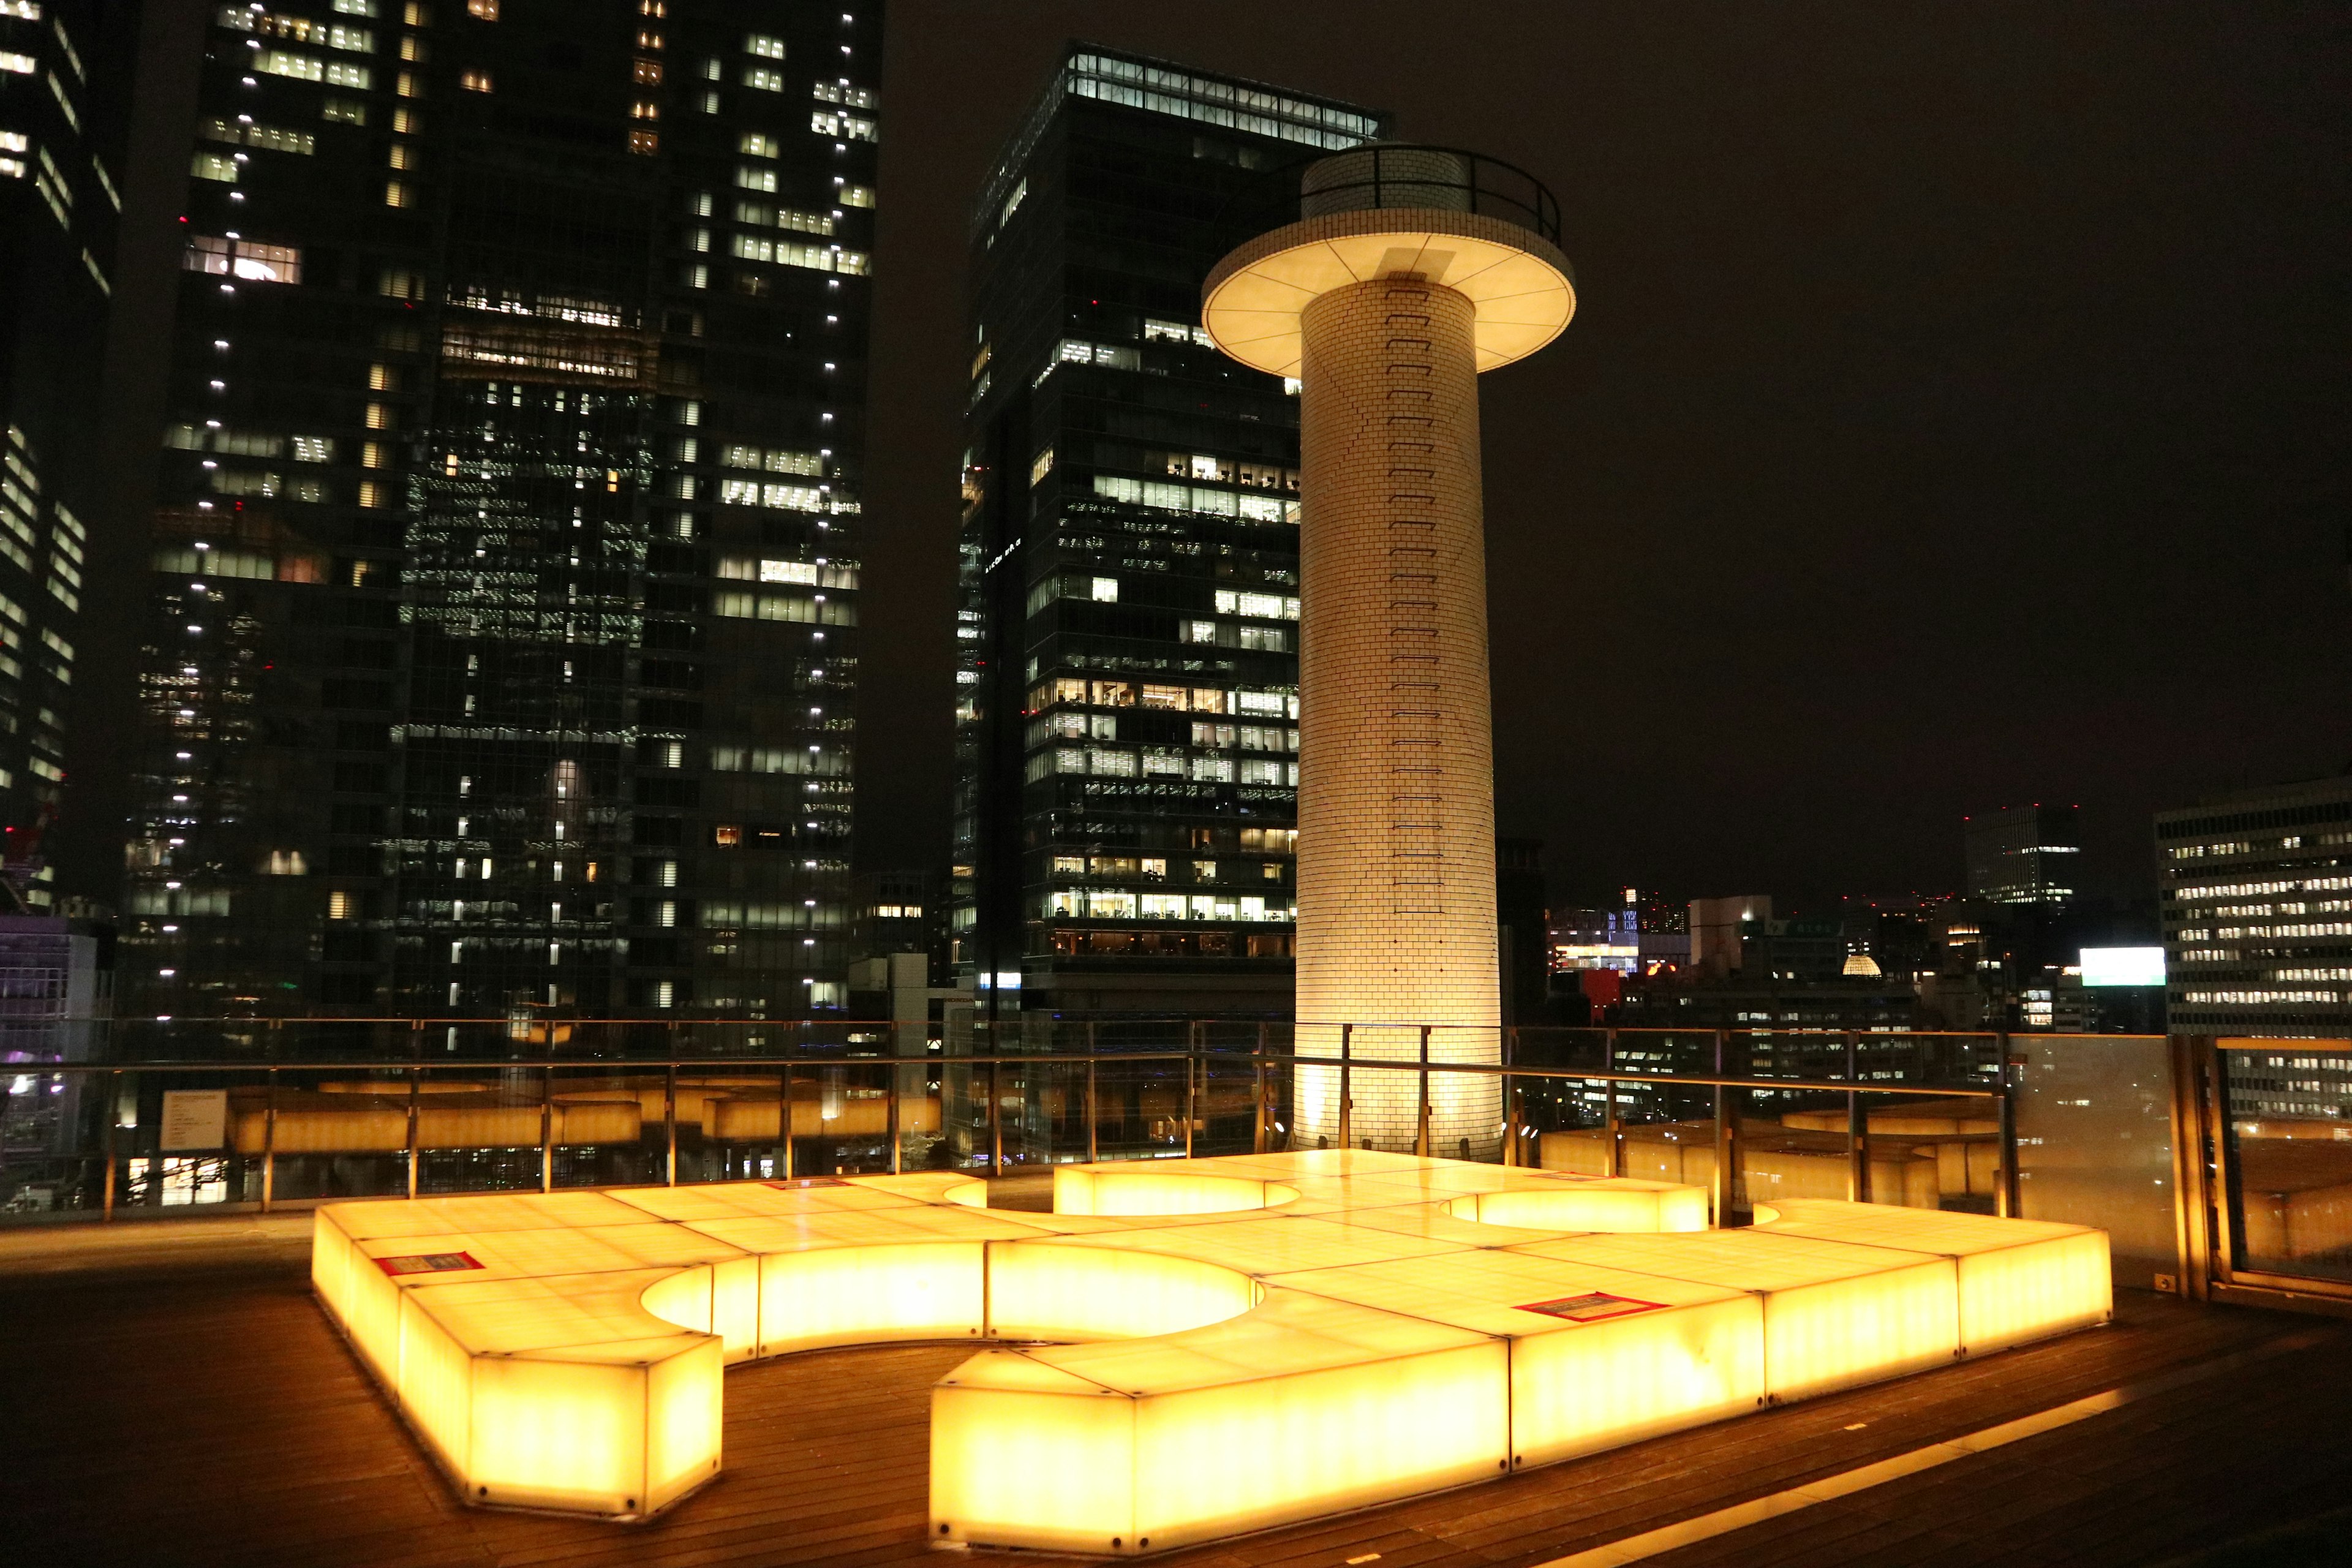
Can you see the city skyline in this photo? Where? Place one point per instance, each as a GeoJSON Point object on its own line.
{"type": "Point", "coordinates": [1875, 676]}
{"type": "Point", "coordinates": [914, 689]}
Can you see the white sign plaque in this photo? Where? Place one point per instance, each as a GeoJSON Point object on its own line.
{"type": "Point", "coordinates": [195, 1119]}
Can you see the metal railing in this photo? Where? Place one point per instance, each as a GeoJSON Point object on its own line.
{"type": "Point", "coordinates": [1396, 175]}
{"type": "Point", "coordinates": [547, 1114]}
{"type": "Point", "coordinates": [2219, 1167]}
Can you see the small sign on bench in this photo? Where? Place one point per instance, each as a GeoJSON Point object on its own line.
{"type": "Point", "coordinates": [428, 1263]}
{"type": "Point", "coordinates": [1593, 1308]}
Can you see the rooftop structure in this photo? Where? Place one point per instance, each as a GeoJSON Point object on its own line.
{"type": "Point", "coordinates": [1392, 275]}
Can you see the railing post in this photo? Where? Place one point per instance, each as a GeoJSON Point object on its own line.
{"type": "Point", "coordinates": [416, 1082]}
{"type": "Point", "coordinates": [1420, 1133]}
{"type": "Point", "coordinates": [895, 1157]}
{"type": "Point", "coordinates": [269, 1140]}
{"type": "Point", "coordinates": [1857, 1128]}
{"type": "Point", "coordinates": [2005, 1193]}
{"type": "Point", "coordinates": [1258, 1092]}
{"type": "Point", "coordinates": [269, 1117]}
{"type": "Point", "coordinates": [669, 1116]}
{"type": "Point", "coordinates": [1092, 1131]}
{"type": "Point", "coordinates": [547, 1123]}
{"type": "Point", "coordinates": [1612, 1136]}
{"type": "Point", "coordinates": [1192, 1066]}
{"type": "Point", "coordinates": [1347, 1033]}
{"type": "Point", "coordinates": [996, 1117]}
{"type": "Point", "coordinates": [1725, 1151]}
{"type": "Point", "coordinates": [114, 1115]}
{"type": "Point", "coordinates": [1514, 1098]}
{"type": "Point", "coordinates": [784, 1113]}
{"type": "Point", "coordinates": [2192, 1196]}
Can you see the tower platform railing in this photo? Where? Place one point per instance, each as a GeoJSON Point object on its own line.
{"type": "Point", "coordinates": [1396, 174]}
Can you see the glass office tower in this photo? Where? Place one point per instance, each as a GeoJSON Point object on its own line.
{"type": "Point", "coordinates": [62, 73]}
{"type": "Point", "coordinates": [2257, 907]}
{"type": "Point", "coordinates": [505, 578]}
{"type": "Point", "coordinates": [1128, 677]}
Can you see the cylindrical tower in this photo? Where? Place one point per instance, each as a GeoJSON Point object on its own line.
{"type": "Point", "coordinates": [1409, 271]}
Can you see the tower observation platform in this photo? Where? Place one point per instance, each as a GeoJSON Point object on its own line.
{"type": "Point", "coordinates": [1385, 283]}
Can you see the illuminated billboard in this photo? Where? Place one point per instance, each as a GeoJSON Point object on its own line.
{"type": "Point", "coordinates": [2123, 966]}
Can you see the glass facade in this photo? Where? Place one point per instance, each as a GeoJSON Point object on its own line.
{"type": "Point", "coordinates": [60, 66]}
{"type": "Point", "coordinates": [2257, 907]}
{"type": "Point", "coordinates": [503, 623]}
{"type": "Point", "coordinates": [1128, 677]}
{"type": "Point", "coordinates": [2023, 855]}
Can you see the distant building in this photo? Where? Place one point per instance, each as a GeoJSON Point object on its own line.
{"type": "Point", "coordinates": [501, 636]}
{"type": "Point", "coordinates": [2023, 855]}
{"type": "Point", "coordinates": [1520, 927]}
{"type": "Point", "coordinates": [57, 986]}
{"type": "Point", "coordinates": [1660, 913]}
{"type": "Point", "coordinates": [2093, 997]}
{"type": "Point", "coordinates": [1126, 681]}
{"type": "Point", "coordinates": [1864, 1004]}
{"type": "Point", "coordinates": [1900, 933]}
{"type": "Point", "coordinates": [2257, 910]}
{"type": "Point", "coordinates": [64, 77]}
{"type": "Point", "coordinates": [896, 911]}
{"type": "Point", "coordinates": [1796, 950]}
{"type": "Point", "coordinates": [1717, 927]}
{"type": "Point", "coordinates": [1593, 939]}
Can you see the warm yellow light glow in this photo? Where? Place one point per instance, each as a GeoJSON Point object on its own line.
{"type": "Point", "coordinates": [1093, 1189]}
{"type": "Point", "coordinates": [1627, 1206]}
{"type": "Point", "coordinates": [2018, 1279]}
{"type": "Point", "coordinates": [1239, 1341]}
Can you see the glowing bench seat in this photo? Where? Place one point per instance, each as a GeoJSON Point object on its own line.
{"type": "Point", "coordinates": [1235, 1343]}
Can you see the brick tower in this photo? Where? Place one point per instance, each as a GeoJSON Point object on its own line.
{"type": "Point", "coordinates": [1406, 272]}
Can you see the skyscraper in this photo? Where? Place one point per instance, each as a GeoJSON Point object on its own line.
{"type": "Point", "coordinates": [505, 575]}
{"type": "Point", "coordinates": [2257, 910]}
{"type": "Point", "coordinates": [2023, 855]}
{"type": "Point", "coordinates": [62, 80]}
{"type": "Point", "coordinates": [1128, 677]}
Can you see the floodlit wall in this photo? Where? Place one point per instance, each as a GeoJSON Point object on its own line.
{"type": "Point", "coordinates": [1396, 807]}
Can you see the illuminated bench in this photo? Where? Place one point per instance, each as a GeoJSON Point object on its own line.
{"type": "Point", "coordinates": [1235, 1343]}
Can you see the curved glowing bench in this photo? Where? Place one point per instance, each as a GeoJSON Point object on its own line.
{"type": "Point", "coordinates": [1237, 1342]}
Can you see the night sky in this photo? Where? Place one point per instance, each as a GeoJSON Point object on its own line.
{"type": "Point", "coordinates": [1955, 414]}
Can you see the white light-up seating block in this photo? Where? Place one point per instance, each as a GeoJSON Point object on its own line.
{"type": "Point", "coordinates": [1233, 1342]}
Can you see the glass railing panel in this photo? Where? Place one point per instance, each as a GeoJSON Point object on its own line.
{"type": "Point", "coordinates": [1225, 1104]}
{"type": "Point", "coordinates": [1562, 1124]}
{"type": "Point", "coordinates": [53, 1133]}
{"type": "Point", "coordinates": [915, 1078]}
{"type": "Point", "coordinates": [2287, 1115]}
{"type": "Point", "coordinates": [1139, 1108]}
{"type": "Point", "coordinates": [2095, 1143]}
{"type": "Point", "coordinates": [478, 1130]}
{"type": "Point", "coordinates": [328, 1134]}
{"type": "Point", "coordinates": [1666, 1132]}
{"type": "Point", "coordinates": [841, 1119]}
{"type": "Point", "coordinates": [1933, 1151]}
{"type": "Point", "coordinates": [1539, 1046]}
{"type": "Point", "coordinates": [607, 1127]}
{"type": "Point", "coordinates": [1791, 1143]}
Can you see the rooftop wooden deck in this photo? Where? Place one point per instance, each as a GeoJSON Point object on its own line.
{"type": "Point", "coordinates": [173, 1395]}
